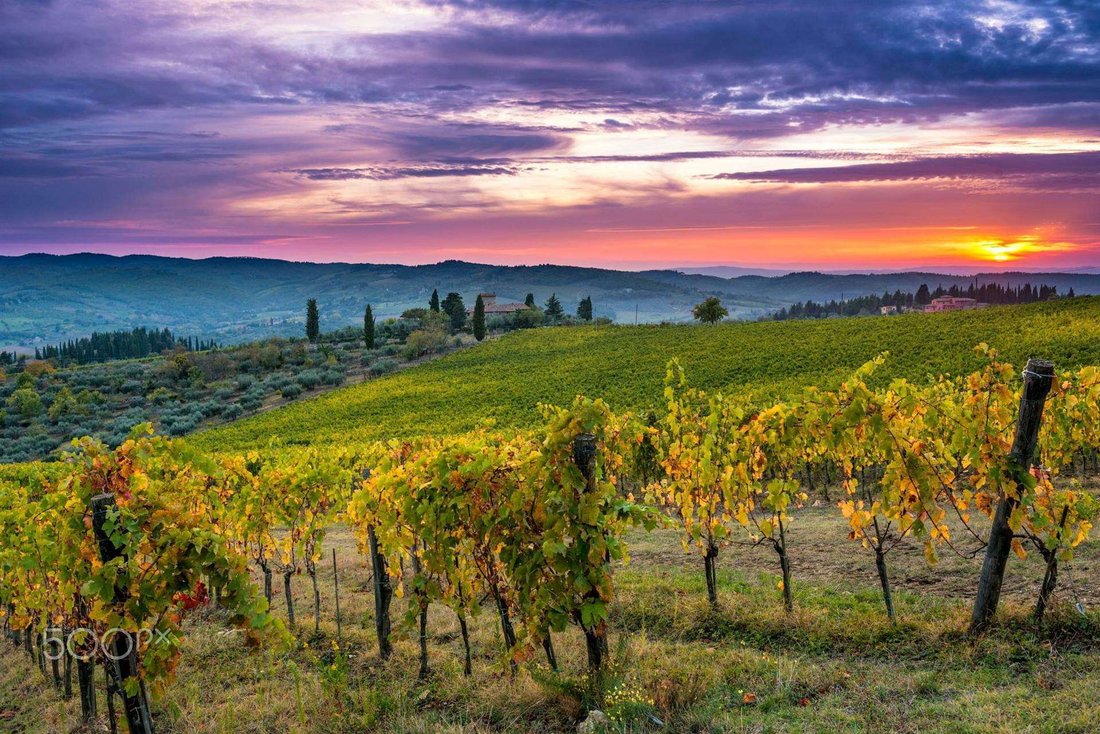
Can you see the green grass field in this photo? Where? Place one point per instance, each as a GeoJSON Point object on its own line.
{"type": "Point", "coordinates": [505, 379]}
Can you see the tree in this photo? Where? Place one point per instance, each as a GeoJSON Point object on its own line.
{"type": "Point", "coordinates": [26, 402]}
{"type": "Point", "coordinates": [454, 307]}
{"type": "Point", "coordinates": [433, 304]}
{"type": "Point", "coordinates": [584, 309]}
{"type": "Point", "coordinates": [313, 321]}
{"type": "Point", "coordinates": [710, 311]}
{"type": "Point", "coordinates": [479, 318]}
{"type": "Point", "coordinates": [368, 327]}
{"type": "Point", "coordinates": [417, 314]}
{"type": "Point", "coordinates": [554, 310]}
{"type": "Point", "coordinates": [528, 318]}
{"type": "Point", "coordinates": [424, 341]}
{"type": "Point", "coordinates": [529, 301]}
{"type": "Point", "coordinates": [923, 296]}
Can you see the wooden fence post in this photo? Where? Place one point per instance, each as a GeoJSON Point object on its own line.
{"type": "Point", "coordinates": [85, 670]}
{"type": "Point", "coordinates": [336, 589]}
{"type": "Point", "coordinates": [383, 592]}
{"type": "Point", "coordinates": [122, 660]}
{"type": "Point", "coordinates": [1038, 378]}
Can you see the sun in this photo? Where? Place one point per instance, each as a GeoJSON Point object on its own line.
{"type": "Point", "coordinates": [999, 250]}
{"type": "Point", "coordinates": [1006, 250]}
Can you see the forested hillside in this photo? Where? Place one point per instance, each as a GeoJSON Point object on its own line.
{"type": "Point", "coordinates": [48, 299]}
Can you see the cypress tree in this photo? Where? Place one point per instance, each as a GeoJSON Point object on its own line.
{"type": "Point", "coordinates": [433, 304]}
{"type": "Point", "coordinates": [479, 318]}
{"type": "Point", "coordinates": [584, 309]}
{"type": "Point", "coordinates": [313, 321]}
{"type": "Point", "coordinates": [529, 301]}
{"type": "Point", "coordinates": [368, 327]}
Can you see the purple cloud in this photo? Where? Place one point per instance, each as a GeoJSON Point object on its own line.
{"type": "Point", "coordinates": [989, 166]}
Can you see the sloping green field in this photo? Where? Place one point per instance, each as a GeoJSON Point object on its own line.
{"type": "Point", "coordinates": [505, 379]}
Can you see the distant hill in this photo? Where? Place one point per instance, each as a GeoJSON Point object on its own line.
{"type": "Point", "coordinates": [731, 271]}
{"type": "Point", "coordinates": [46, 298]}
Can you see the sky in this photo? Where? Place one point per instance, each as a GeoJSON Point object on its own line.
{"type": "Point", "coordinates": [823, 134]}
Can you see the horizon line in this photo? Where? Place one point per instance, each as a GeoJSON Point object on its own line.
{"type": "Point", "coordinates": [772, 270]}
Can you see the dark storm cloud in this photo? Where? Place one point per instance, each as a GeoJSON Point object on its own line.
{"type": "Point", "coordinates": [802, 62]}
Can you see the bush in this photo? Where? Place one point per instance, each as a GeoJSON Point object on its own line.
{"type": "Point", "coordinates": [249, 402]}
{"type": "Point", "coordinates": [310, 379]}
{"type": "Point", "coordinates": [424, 341]}
{"type": "Point", "coordinates": [209, 408]}
{"type": "Point", "coordinates": [291, 391]}
{"type": "Point", "coordinates": [384, 366]}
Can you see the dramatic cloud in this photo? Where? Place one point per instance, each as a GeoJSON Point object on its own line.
{"type": "Point", "coordinates": [995, 167]}
{"type": "Point", "coordinates": [531, 131]}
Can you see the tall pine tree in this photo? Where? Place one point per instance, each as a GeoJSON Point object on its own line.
{"type": "Point", "coordinates": [479, 318]}
{"type": "Point", "coordinates": [368, 327]}
{"type": "Point", "coordinates": [313, 321]}
{"type": "Point", "coordinates": [433, 304]}
{"type": "Point", "coordinates": [554, 310]}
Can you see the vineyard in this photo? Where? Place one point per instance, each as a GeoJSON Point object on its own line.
{"type": "Point", "coordinates": [517, 539]}
{"type": "Point", "coordinates": [504, 380]}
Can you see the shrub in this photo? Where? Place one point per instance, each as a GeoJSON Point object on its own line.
{"type": "Point", "coordinates": [250, 402]}
{"type": "Point", "coordinates": [384, 366]}
{"type": "Point", "coordinates": [310, 379]}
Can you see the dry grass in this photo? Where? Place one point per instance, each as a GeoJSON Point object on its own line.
{"type": "Point", "coordinates": [836, 664]}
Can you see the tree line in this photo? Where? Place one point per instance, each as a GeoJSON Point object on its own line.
{"type": "Point", "coordinates": [992, 293]}
{"type": "Point", "coordinates": [111, 345]}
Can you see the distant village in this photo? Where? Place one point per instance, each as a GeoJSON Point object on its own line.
{"type": "Point", "coordinates": [943, 303]}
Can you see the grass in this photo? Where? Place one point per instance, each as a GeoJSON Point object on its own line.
{"type": "Point", "coordinates": [504, 380]}
{"type": "Point", "coordinates": [834, 665]}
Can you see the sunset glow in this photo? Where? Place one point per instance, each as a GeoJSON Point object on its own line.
{"type": "Point", "coordinates": [795, 135]}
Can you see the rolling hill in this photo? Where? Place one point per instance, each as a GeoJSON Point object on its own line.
{"type": "Point", "coordinates": [49, 298]}
{"type": "Point", "coordinates": [504, 380]}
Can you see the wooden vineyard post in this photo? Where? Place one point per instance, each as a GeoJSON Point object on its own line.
{"type": "Point", "coordinates": [383, 592]}
{"type": "Point", "coordinates": [85, 672]}
{"type": "Point", "coordinates": [85, 683]}
{"type": "Point", "coordinates": [336, 589]}
{"type": "Point", "coordinates": [584, 456]}
{"type": "Point", "coordinates": [1038, 378]}
{"type": "Point", "coordinates": [122, 659]}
